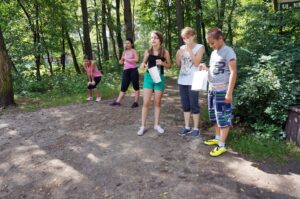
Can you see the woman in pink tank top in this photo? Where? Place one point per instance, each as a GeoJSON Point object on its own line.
{"type": "Point", "coordinates": [94, 77]}
{"type": "Point", "coordinates": [130, 73]}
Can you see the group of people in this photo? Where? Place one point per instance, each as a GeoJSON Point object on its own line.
{"type": "Point", "coordinates": [222, 75]}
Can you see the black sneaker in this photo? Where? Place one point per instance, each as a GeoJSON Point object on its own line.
{"type": "Point", "coordinates": [115, 104]}
{"type": "Point", "coordinates": [134, 105]}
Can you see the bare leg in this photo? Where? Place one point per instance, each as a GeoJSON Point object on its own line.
{"type": "Point", "coordinates": [196, 118]}
{"type": "Point", "coordinates": [224, 134]}
{"type": "Point", "coordinates": [120, 97]}
{"type": "Point", "coordinates": [217, 130]}
{"type": "Point", "coordinates": [157, 102]}
{"type": "Point", "coordinates": [146, 105]}
{"type": "Point", "coordinates": [136, 96]}
{"type": "Point", "coordinates": [97, 92]}
{"type": "Point", "coordinates": [90, 92]}
{"type": "Point", "coordinates": [187, 116]}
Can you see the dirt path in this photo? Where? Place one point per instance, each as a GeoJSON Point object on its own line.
{"type": "Point", "coordinates": [92, 151]}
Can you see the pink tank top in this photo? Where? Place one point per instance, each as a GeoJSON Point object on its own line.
{"type": "Point", "coordinates": [97, 72]}
{"type": "Point", "coordinates": [129, 55]}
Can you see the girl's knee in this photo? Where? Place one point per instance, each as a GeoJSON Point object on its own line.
{"type": "Point", "coordinates": [147, 104]}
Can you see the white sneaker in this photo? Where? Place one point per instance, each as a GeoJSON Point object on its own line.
{"type": "Point", "coordinates": [159, 129]}
{"type": "Point", "coordinates": [141, 131]}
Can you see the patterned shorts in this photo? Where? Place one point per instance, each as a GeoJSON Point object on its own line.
{"type": "Point", "coordinates": [219, 111]}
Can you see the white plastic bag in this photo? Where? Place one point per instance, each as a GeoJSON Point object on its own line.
{"type": "Point", "coordinates": [155, 74]}
{"type": "Point", "coordinates": [200, 80]}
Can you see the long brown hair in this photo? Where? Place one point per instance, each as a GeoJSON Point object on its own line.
{"type": "Point", "coordinates": [161, 39]}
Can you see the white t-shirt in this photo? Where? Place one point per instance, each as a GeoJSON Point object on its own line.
{"type": "Point", "coordinates": [187, 68]}
{"type": "Point", "coordinates": [218, 74]}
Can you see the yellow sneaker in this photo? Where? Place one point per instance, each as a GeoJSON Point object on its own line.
{"type": "Point", "coordinates": [217, 151]}
{"type": "Point", "coordinates": [211, 142]}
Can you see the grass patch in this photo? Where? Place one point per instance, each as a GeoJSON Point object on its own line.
{"type": "Point", "coordinates": [262, 149]}
{"type": "Point", "coordinates": [52, 98]}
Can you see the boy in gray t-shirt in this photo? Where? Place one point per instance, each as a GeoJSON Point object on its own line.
{"type": "Point", "coordinates": [222, 75]}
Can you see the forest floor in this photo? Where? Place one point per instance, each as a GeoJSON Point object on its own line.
{"type": "Point", "coordinates": [91, 150]}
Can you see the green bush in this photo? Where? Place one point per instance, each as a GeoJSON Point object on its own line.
{"type": "Point", "coordinates": [267, 90]}
{"type": "Point", "coordinates": [268, 131]}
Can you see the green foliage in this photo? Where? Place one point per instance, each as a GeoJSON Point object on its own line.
{"type": "Point", "coordinates": [269, 88]}
{"type": "Point", "coordinates": [268, 131]}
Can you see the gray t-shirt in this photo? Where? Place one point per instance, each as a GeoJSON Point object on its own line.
{"type": "Point", "coordinates": [218, 74]}
{"type": "Point", "coordinates": [187, 68]}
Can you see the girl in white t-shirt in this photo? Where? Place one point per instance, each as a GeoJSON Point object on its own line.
{"type": "Point", "coordinates": [188, 58]}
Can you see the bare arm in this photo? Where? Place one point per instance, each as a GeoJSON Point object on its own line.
{"type": "Point", "coordinates": [121, 61]}
{"type": "Point", "coordinates": [196, 59]}
{"type": "Point", "coordinates": [178, 57]}
{"type": "Point", "coordinates": [232, 80]}
{"type": "Point", "coordinates": [167, 63]}
{"type": "Point", "coordinates": [92, 70]}
{"type": "Point", "coordinates": [145, 60]}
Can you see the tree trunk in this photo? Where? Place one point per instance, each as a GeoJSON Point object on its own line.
{"type": "Point", "coordinates": [104, 38]}
{"type": "Point", "coordinates": [37, 39]}
{"type": "Point", "coordinates": [133, 23]}
{"type": "Point", "coordinates": [76, 66]}
{"type": "Point", "coordinates": [198, 20]}
{"type": "Point", "coordinates": [111, 31]}
{"type": "Point", "coordinates": [97, 35]}
{"type": "Point", "coordinates": [49, 58]}
{"type": "Point", "coordinates": [86, 30]}
{"type": "Point", "coordinates": [34, 27]}
{"type": "Point", "coordinates": [230, 31]}
{"type": "Point", "coordinates": [63, 52]}
{"type": "Point", "coordinates": [128, 19]}
{"type": "Point", "coordinates": [221, 14]}
{"type": "Point", "coordinates": [169, 29]}
{"type": "Point", "coordinates": [79, 32]}
{"type": "Point", "coordinates": [275, 4]}
{"type": "Point", "coordinates": [203, 29]}
{"type": "Point", "coordinates": [179, 21]}
{"type": "Point", "coordinates": [118, 30]}
{"type": "Point", "coordinates": [6, 86]}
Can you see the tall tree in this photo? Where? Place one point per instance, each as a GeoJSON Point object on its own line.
{"type": "Point", "coordinates": [128, 19]}
{"type": "Point", "coordinates": [179, 20]}
{"type": "Point", "coordinates": [63, 49]}
{"type": "Point", "coordinates": [221, 13]}
{"type": "Point", "coordinates": [230, 29]}
{"type": "Point", "coordinates": [79, 30]}
{"type": "Point", "coordinates": [111, 28]}
{"type": "Point", "coordinates": [35, 29]}
{"type": "Point", "coordinates": [198, 20]}
{"type": "Point", "coordinates": [118, 30]}
{"type": "Point", "coordinates": [98, 38]}
{"type": "Point", "coordinates": [76, 66]}
{"type": "Point", "coordinates": [169, 28]}
{"type": "Point", "coordinates": [6, 87]}
{"type": "Point", "coordinates": [104, 38]}
{"type": "Point", "coordinates": [86, 31]}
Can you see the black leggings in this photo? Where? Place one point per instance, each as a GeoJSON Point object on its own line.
{"type": "Point", "coordinates": [130, 75]}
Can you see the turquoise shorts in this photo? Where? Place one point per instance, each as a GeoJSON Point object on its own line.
{"type": "Point", "coordinates": [149, 84]}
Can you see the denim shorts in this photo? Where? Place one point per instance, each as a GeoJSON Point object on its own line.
{"type": "Point", "coordinates": [219, 111]}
